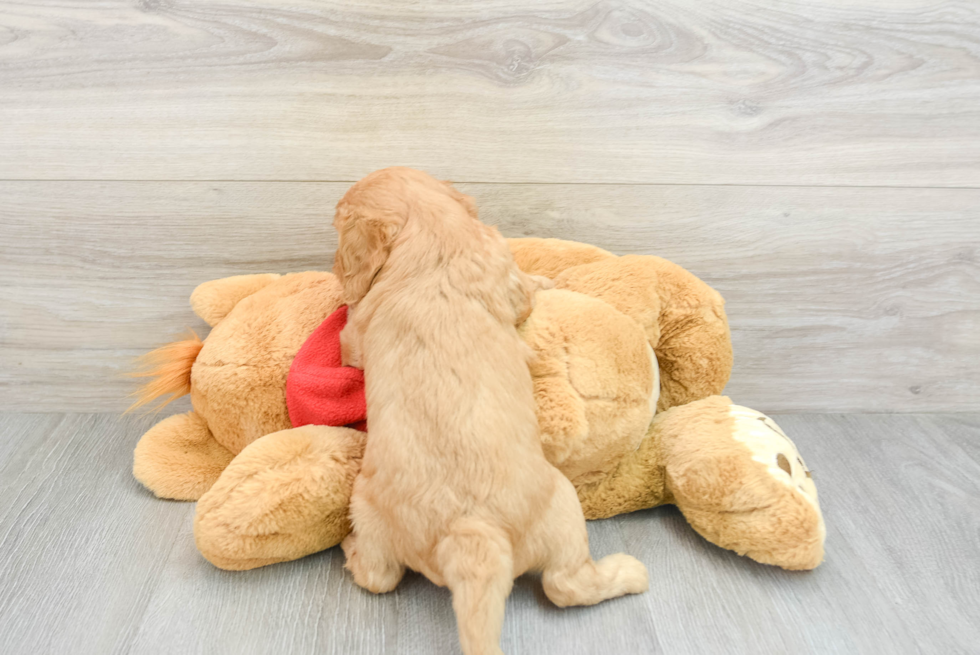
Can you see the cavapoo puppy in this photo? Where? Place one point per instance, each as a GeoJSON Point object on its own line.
{"type": "Point", "coordinates": [453, 483]}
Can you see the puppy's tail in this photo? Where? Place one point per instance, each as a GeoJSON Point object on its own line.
{"type": "Point", "coordinates": [478, 566]}
{"type": "Point", "coordinates": [168, 369]}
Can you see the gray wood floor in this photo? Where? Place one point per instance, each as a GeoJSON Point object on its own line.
{"type": "Point", "coordinates": [92, 563]}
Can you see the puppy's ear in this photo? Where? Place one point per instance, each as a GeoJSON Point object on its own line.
{"type": "Point", "coordinates": [364, 247]}
{"type": "Point", "coordinates": [466, 201]}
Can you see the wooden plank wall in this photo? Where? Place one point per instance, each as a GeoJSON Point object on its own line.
{"type": "Point", "coordinates": [818, 163]}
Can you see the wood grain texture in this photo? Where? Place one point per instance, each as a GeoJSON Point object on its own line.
{"type": "Point", "coordinates": [839, 299]}
{"type": "Point", "coordinates": [91, 563]}
{"type": "Point", "coordinates": [869, 92]}
{"type": "Point", "coordinates": [82, 545]}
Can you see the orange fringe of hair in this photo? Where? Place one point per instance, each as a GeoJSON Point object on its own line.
{"type": "Point", "coordinates": [169, 370]}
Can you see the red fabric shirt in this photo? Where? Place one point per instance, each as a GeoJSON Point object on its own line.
{"type": "Point", "coordinates": [319, 391]}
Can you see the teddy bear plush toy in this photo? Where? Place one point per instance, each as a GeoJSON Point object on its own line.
{"type": "Point", "coordinates": [628, 356]}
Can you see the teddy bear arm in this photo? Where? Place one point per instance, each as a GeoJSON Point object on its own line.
{"type": "Point", "coordinates": [285, 496]}
{"type": "Point", "coordinates": [687, 375]}
{"type": "Point", "coordinates": [694, 348]}
{"type": "Point", "coordinates": [213, 300]}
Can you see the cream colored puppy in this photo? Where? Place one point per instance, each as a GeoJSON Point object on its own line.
{"type": "Point", "coordinates": [453, 483]}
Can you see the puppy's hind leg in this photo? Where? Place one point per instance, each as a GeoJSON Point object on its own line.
{"type": "Point", "coordinates": [477, 564]}
{"type": "Point", "coordinates": [369, 559]}
{"type": "Point", "coordinates": [570, 575]}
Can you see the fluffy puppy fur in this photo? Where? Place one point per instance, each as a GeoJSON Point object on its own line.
{"type": "Point", "coordinates": [453, 482]}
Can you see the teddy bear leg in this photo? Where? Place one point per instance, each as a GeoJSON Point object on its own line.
{"type": "Point", "coordinates": [178, 458]}
{"type": "Point", "coordinates": [741, 482]}
{"type": "Point", "coordinates": [285, 496]}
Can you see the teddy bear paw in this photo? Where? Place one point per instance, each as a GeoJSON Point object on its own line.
{"type": "Point", "coordinates": [772, 448]}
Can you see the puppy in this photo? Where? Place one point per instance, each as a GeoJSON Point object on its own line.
{"type": "Point", "coordinates": [453, 483]}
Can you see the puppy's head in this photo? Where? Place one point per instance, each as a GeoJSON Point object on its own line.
{"type": "Point", "coordinates": [373, 213]}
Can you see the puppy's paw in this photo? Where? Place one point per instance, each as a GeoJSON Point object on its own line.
{"type": "Point", "coordinates": [629, 573]}
{"type": "Point", "coordinates": [378, 575]}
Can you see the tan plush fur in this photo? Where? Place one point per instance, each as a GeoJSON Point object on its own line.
{"type": "Point", "coordinates": [454, 483]}
{"type": "Point", "coordinates": [683, 318]}
{"type": "Point", "coordinates": [179, 458]}
{"type": "Point", "coordinates": [239, 378]}
{"type": "Point", "coordinates": [689, 459]}
{"type": "Point", "coordinates": [549, 257]}
{"type": "Point", "coordinates": [262, 503]}
{"type": "Point", "coordinates": [213, 300]}
{"type": "Point", "coordinates": [588, 373]}
{"type": "Point", "coordinates": [592, 382]}
{"type": "Point", "coordinates": [729, 496]}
